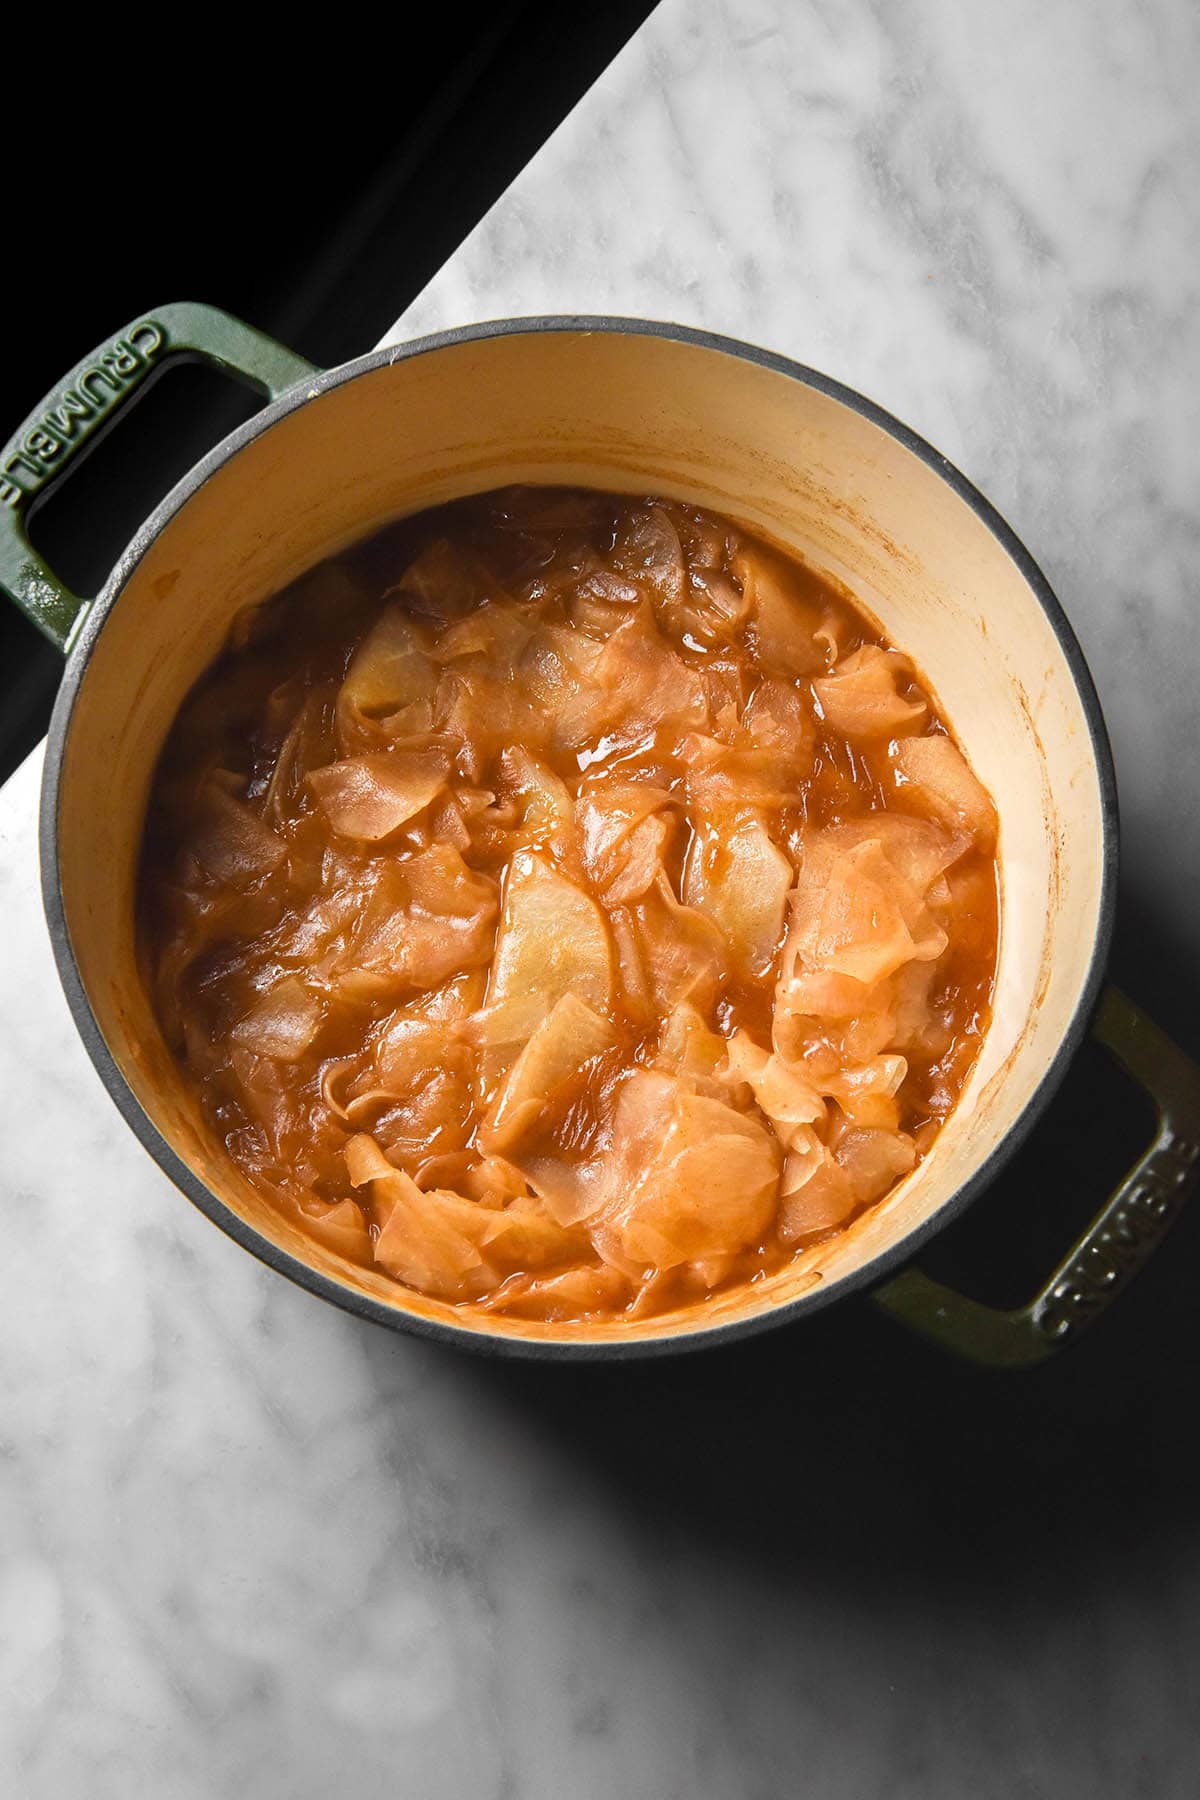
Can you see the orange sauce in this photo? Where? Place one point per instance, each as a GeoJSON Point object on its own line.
{"type": "Point", "coordinates": [569, 905]}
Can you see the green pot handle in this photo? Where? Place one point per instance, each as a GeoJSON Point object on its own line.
{"type": "Point", "coordinates": [1120, 1239]}
{"type": "Point", "coordinates": [71, 419]}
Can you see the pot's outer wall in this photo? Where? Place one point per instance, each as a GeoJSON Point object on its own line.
{"type": "Point", "coordinates": [622, 405]}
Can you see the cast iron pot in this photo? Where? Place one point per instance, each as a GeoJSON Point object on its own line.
{"type": "Point", "coordinates": [619, 404]}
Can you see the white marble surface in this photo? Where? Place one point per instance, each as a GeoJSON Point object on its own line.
{"type": "Point", "coordinates": [986, 218]}
{"type": "Point", "coordinates": [248, 1546]}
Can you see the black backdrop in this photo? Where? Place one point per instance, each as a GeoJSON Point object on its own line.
{"type": "Point", "coordinates": [310, 180]}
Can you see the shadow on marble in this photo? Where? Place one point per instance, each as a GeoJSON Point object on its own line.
{"type": "Point", "coordinates": [844, 1449]}
{"type": "Point", "coordinates": [1156, 958]}
{"type": "Point", "coordinates": [842, 1454]}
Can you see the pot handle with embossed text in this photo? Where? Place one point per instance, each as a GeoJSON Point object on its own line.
{"type": "Point", "coordinates": [72, 418]}
{"type": "Point", "coordinates": [1120, 1239]}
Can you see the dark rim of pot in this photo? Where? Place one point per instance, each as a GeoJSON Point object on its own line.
{"type": "Point", "coordinates": [465, 1336]}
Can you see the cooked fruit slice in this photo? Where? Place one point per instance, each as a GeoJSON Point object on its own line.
{"type": "Point", "coordinates": [740, 879]}
{"type": "Point", "coordinates": [862, 697]}
{"type": "Point", "coordinates": [370, 797]}
{"type": "Point", "coordinates": [703, 1177]}
{"type": "Point", "coordinates": [552, 941]}
{"type": "Point", "coordinates": [936, 776]}
{"type": "Point", "coordinates": [566, 1040]}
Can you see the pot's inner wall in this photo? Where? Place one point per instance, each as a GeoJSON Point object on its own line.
{"type": "Point", "coordinates": [626, 412]}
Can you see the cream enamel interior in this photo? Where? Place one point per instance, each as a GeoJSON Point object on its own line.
{"type": "Point", "coordinates": [627, 412]}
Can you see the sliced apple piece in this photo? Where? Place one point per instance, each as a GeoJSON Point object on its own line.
{"type": "Point", "coordinates": [862, 697]}
{"type": "Point", "coordinates": [935, 774]}
{"type": "Point", "coordinates": [568, 1038]}
{"type": "Point", "coordinates": [370, 797]}
{"type": "Point", "coordinates": [740, 879]}
{"type": "Point", "coordinates": [552, 941]}
{"type": "Point", "coordinates": [282, 1023]}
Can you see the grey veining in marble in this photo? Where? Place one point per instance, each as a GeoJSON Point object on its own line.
{"type": "Point", "coordinates": [250, 1547]}
{"type": "Point", "coordinates": [986, 218]}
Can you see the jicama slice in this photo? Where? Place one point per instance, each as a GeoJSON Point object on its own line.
{"type": "Point", "coordinates": [709, 1186]}
{"type": "Point", "coordinates": [620, 855]}
{"type": "Point", "coordinates": [873, 1160]}
{"type": "Point", "coordinates": [230, 842]}
{"type": "Point", "coordinates": [579, 1293]}
{"type": "Point", "coordinates": [935, 774]}
{"type": "Point", "coordinates": [429, 1240]}
{"type": "Point", "coordinates": [785, 612]}
{"type": "Point", "coordinates": [682, 952]}
{"type": "Point", "coordinates": [389, 670]}
{"type": "Point", "coordinates": [862, 697]}
{"type": "Point", "coordinates": [552, 941]}
{"type": "Point", "coordinates": [283, 1023]}
{"type": "Point", "coordinates": [740, 879]}
{"type": "Point", "coordinates": [342, 1229]}
{"type": "Point", "coordinates": [817, 1194]}
{"type": "Point", "coordinates": [849, 917]}
{"type": "Point", "coordinates": [788, 1097]}
{"type": "Point", "coordinates": [371, 797]}
{"type": "Point", "coordinates": [569, 1037]}
{"type": "Point", "coordinates": [649, 553]}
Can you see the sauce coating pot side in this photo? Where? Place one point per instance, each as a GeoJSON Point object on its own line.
{"type": "Point", "coordinates": [625, 405]}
